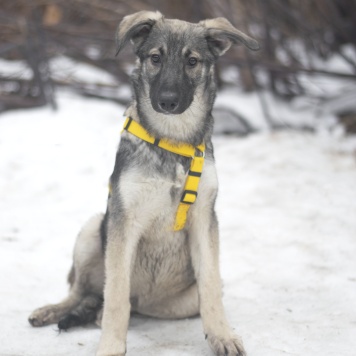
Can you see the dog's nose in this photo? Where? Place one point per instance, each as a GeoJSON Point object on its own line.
{"type": "Point", "coordinates": [168, 101]}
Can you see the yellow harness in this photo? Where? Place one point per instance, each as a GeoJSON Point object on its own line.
{"type": "Point", "coordinates": [197, 155]}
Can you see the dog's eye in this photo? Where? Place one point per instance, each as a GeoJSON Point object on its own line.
{"type": "Point", "coordinates": [192, 61]}
{"type": "Point", "coordinates": [155, 58]}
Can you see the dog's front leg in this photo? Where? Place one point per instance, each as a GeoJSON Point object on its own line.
{"type": "Point", "coordinates": [205, 256]}
{"type": "Point", "coordinates": [120, 252]}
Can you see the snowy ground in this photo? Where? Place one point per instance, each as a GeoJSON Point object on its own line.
{"type": "Point", "coordinates": [287, 209]}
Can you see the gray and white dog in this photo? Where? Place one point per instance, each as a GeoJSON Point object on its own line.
{"type": "Point", "coordinates": [129, 259]}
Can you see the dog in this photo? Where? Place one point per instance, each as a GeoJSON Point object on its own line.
{"type": "Point", "coordinates": [156, 249]}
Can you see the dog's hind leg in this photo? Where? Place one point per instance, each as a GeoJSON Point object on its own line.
{"type": "Point", "coordinates": [86, 279]}
{"type": "Point", "coordinates": [84, 313]}
{"type": "Point", "coordinates": [51, 314]}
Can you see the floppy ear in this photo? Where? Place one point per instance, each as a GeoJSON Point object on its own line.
{"type": "Point", "coordinates": [221, 35]}
{"type": "Point", "coordinates": [136, 27]}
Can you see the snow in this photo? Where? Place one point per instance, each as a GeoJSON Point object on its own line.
{"type": "Point", "coordinates": [287, 211]}
{"type": "Point", "coordinates": [15, 69]}
{"type": "Point", "coordinates": [248, 106]}
{"type": "Point", "coordinates": [65, 68]}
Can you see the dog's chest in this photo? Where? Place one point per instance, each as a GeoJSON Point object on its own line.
{"type": "Point", "coordinates": [151, 195]}
{"type": "Point", "coordinates": [148, 185]}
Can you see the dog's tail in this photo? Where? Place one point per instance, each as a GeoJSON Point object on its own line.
{"type": "Point", "coordinates": [85, 312]}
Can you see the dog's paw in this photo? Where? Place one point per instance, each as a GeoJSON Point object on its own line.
{"type": "Point", "coordinates": [44, 316]}
{"type": "Point", "coordinates": [230, 345]}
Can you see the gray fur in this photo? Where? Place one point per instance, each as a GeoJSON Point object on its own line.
{"type": "Point", "coordinates": [149, 268]}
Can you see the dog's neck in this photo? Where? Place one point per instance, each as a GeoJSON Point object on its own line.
{"type": "Point", "coordinates": [180, 128]}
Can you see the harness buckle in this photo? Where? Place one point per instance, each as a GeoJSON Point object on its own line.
{"type": "Point", "coordinates": [199, 153]}
{"type": "Point", "coordinates": [189, 197]}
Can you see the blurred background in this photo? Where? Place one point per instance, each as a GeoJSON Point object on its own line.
{"type": "Point", "coordinates": [287, 197]}
{"type": "Point", "coordinates": [307, 59]}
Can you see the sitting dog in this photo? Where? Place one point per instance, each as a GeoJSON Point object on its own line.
{"type": "Point", "coordinates": [156, 251]}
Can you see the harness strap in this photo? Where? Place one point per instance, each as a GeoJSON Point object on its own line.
{"type": "Point", "coordinates": [197, 155]}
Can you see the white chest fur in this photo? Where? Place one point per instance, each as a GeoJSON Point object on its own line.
{"type": "Point", "coordinates": [151, 201]}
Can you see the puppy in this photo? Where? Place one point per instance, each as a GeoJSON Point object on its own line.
{"type": "Point", "coordinates": [156, 249]}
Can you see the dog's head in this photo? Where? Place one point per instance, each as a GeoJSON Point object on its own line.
{"type": "Point", "coordinates": [174, 82]}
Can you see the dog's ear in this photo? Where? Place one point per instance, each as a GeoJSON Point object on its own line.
{"type": "Point", "coordinates": [221, 34]}
{"type": "Point", "coordinates": [135, 27]}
